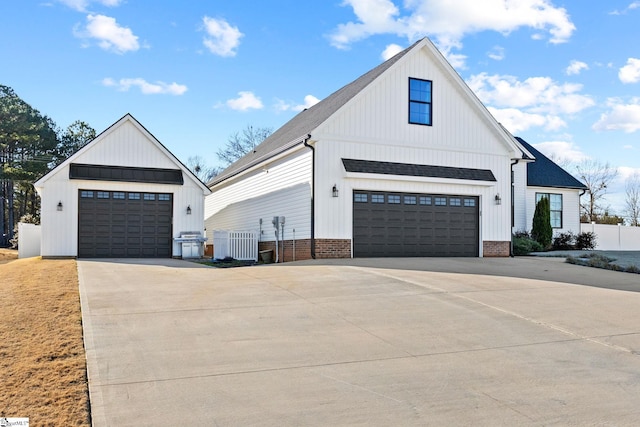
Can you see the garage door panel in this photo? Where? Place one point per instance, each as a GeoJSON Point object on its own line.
{"type": "Point", "coordinates": [416, 226]}
{"type": "Point", "coordinates": [163, 230]}
{"type": "Point", "coordinates": [124, 225]}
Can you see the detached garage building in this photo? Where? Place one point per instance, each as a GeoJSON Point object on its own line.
{"type": "Point", "coordinates": [403, 161]}
{"type": "Point", "coordinates": [123, 195]}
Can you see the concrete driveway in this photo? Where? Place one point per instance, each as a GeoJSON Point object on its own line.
{"type": "Point", "coordinates": [525, 341]}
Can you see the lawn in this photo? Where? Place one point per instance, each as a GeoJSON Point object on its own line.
{"type": "Point", "coordinates": [42, 358]}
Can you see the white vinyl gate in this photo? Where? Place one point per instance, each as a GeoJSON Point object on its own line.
{"type": "Point", "coordinates": [240, 245]}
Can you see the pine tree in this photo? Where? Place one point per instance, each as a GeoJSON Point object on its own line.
{"type": "Point", "coordinates": [542, 231]}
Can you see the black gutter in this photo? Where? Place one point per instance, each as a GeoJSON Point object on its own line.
{"type": "Point", "coordinates": [313, 192]}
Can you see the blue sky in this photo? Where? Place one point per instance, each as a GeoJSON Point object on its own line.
{"type": "Point", "coordinates": [565, 76]}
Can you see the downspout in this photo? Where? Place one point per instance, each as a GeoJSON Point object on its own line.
{"type": "Point", "coordinates": [513, 213]}
{"type": "Point", "coordinates": [313, 192]}
{"type": "Point", "coordinates": [580, 208]}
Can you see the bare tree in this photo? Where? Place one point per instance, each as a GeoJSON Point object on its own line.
{"type": "Point", "coordinates": [632, 199]}
{"type": "Point", "coordinates": [563, 162]}
{"type": "Point", "coordinates": [596, 176]}
{"type": "Point", "coordinates": [241, 143]}
{"type": "Point", "coordinates": [197, 165]}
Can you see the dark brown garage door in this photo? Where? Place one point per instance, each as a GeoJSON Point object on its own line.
{"type": "Point", "coordinates": [414, 225]}
{"type": "Point", "coordinates": [114, 224]}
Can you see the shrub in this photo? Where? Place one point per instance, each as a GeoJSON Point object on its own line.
{"type": "Point", "coordinates": [633, 269]}
{"type": "Point", "coordinates": [541, 230]}
{"type": "Point", "coordinates": [586, 240]}
{"type": "Point", "coordinates": [521, 233]}
{"type": "Point", "coordinates": [525, 245]}
{"type": "Point", "coordinates": [564, 241]}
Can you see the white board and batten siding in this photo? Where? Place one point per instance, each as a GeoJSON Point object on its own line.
{"type": "Point", "coordinates": [374, 126]}
{"type": "Point", "coordinates": [124, 144]}
{"type": "Point", "coordinates": [339, 226]}
{"type": "Point", "coordinates": [520, 197]}
{"type": "Point", "coordinates": [278, 188]}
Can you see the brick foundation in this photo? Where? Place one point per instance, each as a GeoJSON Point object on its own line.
{"type": "Point", "coordinates": [333, 248]}
{"type": "Point", "coordinates": [495, 248]}
{"type": "Point", "coordinates": [303, 249]}
{"type": "Point", "coordinates": [325, 248]}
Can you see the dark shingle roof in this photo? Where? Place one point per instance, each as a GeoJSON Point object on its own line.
{"type": "Point", "coordinates": [409, 169]}
{"type": "Point", "coordinates": [295, 130]}
{"type": "Point", "coordinates": [545, 173]}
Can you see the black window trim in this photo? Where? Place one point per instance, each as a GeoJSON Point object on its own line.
{"type": "Point", "coordinates": [548, 196]}
{"type": "Point", "coordinates": [430, 103]}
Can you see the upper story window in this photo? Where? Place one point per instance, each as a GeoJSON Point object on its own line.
{"type": "Point", "coordinates": [420, 102]}
{"type": "Point", "coordinates": [555, 203]}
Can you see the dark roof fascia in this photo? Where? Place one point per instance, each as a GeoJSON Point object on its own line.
{"type": "Point", "coordinates": [417, 170]}
{"type": "Point", "coordinates": [134, 174]}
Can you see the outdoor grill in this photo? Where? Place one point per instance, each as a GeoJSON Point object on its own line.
{"type": "Point", "coordinates": [192, 243]}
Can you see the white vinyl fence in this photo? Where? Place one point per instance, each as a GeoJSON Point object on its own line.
{"type": "Point", "coordinates": [614, 237]}
{"type": "Point", "coordinates": [241, 245]}
{"type": "Point", "coordinates": [29, 236]}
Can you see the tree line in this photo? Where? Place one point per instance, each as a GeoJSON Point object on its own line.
{"type": "Point", "coordinates": [31, 144]}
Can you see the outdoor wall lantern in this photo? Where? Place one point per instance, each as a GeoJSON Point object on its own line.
{"type": "Point", "coordinates": [334, 190]}
{"type": "Point", "coordinates": [498, 199]}
{"type": "Point", "coordinates": [189, 210]}
{"type": "Point", "coordinates": [60, 205]}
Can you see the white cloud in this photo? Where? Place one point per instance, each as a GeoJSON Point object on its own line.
{"type": "Point", "coordinates": [81, 5]}
{"type": "Point", "coordinates": [534, 102]}
{"type": "Point", "coordinates": [630, 73]}
{"type": "Point", "coordinates": [309, 101]}
{"type": "Point", "coordinates": [576, 67]}
{"type": "Point", "coordinates": [515, 120]}
{"type": "Point", "coordinates": [561, 151]}
{"type": "Point", "coordinates": [245, 101]}
{"type": "Point", "coordinates": [621, 116]}
{"type": "Point", "coordinates": [221, 39]}
{"type": "Point", "coordinates": [497, 53]}
{"type": "Point", "coordinates": [146, 87]}
{"type": "Point", "coordinates": [448, 22]}
{"type": "Point", "coordinates": [111, 36]}
{"type": "Point", "coordinates": [391, 50]}
{"type": "Point", "coordinates": [535, 94]}
{"type": "Point", "coordinates": [634, 5]}
{"type": "Point", "coordinates": [626, 172]}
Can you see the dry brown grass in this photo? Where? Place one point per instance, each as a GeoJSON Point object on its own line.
{"type": "Point", "coordinates": [42, 359]}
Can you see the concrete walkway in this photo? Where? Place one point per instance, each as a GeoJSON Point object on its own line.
{"type": "Point", "coordinates": [368, 342]}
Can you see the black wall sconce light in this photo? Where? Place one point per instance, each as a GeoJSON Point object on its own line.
{"type": "Point", "coordinates": [498, 199]}
{"type": "Point", "coordinates": [59, 207]}
{"type": "Point", "coordinates": [189, 210]}
{"type": "Point", "coordinates": [334, 191]}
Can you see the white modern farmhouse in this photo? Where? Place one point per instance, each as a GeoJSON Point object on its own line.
{"type": "Point", "coordinates": [404, 161]}
{"type": "Point", "coordinates": [122, 195]}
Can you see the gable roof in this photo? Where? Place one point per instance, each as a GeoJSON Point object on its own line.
{"type": "Point", "coordinates": [545, 173]}
{"type": "Point", "coordinates": [104, 134]}
{"type": "Point", "coordinates": [299, 128]}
